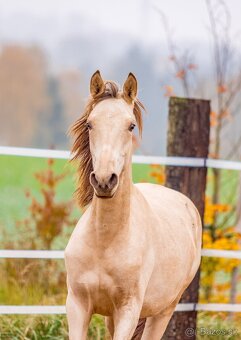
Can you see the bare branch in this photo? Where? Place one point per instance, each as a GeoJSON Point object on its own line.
{"type": "Point", "coordinates": [181, 62]}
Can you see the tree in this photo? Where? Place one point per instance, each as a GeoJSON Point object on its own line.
{"type": "Point", "coordinates": [23, 94]}
{"type": "Point", "coordinates": [225, 96]}
{"type": "Point", "coordinates": [71, 94]}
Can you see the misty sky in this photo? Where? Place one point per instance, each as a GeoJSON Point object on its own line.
{"type": "Point", "coordinates": [104, 34]}
{"type": "Point", "coordinates": [137, 18]}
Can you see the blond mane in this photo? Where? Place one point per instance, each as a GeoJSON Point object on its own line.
{"type": "Point", "coordinates": [80, 148]}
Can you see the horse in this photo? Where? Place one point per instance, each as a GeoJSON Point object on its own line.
{"type": "Point", "coordinates": [137, 246]}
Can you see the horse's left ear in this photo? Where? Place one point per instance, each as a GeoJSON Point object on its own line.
{"type": "Point", "coordinates": [130, 88]}
{"type": "Point", "coordinates": [97, 85]}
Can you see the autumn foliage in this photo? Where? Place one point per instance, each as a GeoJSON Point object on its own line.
{"type": "Point", "coordinates": [39, 281]}
{"type": "Point", "coordinates": [224, 237]}
{"type": "Point", "coordinates": [215, 236]}
{"type": "Point", "coordinates": [48, 217]}
{"type": "Point", "coordinates": [158, 173]}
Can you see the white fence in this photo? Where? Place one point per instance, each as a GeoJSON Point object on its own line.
{"type": "Point", "coordinates": [175, 161]}
{"type": "Point", "coordinates": [181, 307]}
{"type": "Point", "coordinates": [57, 254]}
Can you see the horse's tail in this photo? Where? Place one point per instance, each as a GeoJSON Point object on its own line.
{"type": "Point", "coordinates": [139, 329]}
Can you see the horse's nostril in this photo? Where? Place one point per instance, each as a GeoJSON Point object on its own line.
{"type": "Point", "coordinates": [105, 184]}
{"type": "Point", "coordinates": [112, 181]}
{"type": "Point", "coordinates": [93, 180]}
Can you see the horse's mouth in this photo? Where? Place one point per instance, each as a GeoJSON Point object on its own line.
{"type": "Point", "coordinates": [104, 195]}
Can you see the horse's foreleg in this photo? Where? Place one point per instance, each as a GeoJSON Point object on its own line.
{"type": "Point", "coordinates": [78, 318]}
{"type": "Point", "coordinates": [125, 320]}
{"type": "Point", "coordinates": [109, 322]}
{"type": "Point", "coordinates": [156, 325]}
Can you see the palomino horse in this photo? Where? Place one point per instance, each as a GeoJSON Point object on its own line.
{"type": "Point", "coordinates": [136, 247]}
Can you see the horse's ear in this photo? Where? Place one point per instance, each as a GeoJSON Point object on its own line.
{"type": "Point", "coordinates": [130, 88]}
{"type": "Point", "coordinates": [97, 85]}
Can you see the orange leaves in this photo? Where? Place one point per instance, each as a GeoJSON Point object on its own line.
{"type": "Point", "coordinates": [181, 74]}
{"type": "Point", "coordinates": [211, 209]}
{"type": "Point", "coordinates": [168, 91]}
{"type": "Point", "coordinates": [158, 173]}
{"type": "Point", "coordinates": [222, 286]}
{"type": "Point", "coordinates": [213, 119]}
{"type": "Point", "coordinates": [217, 237]}
{"type": "Point", "coordinates": [222, 88]}
{"type": "Point", "coordinates": [210, 266]}
{"type": "Point", "coordinates": [48, 218]}
{"type": "Point", "coordinates": [49, 178]}
{"type": "Point", "coordinates": [226, 114]}
{"type": "Point", "coordinates": [192, 66]}
{"type": "Point", "coordinates": [184, 67]}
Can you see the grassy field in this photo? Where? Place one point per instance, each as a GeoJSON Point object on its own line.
{"type": "Point", "coordinates": [46, 284]}
{"type": "Point", "coordinates": [209, 326]}
{"type": "Point", "coordinates": [45, 328]}
{"type": "Point", "coordinates": [17, 176]}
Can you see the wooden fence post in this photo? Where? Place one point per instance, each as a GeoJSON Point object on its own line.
{"type": "Point", "coordinates": [188, 136]}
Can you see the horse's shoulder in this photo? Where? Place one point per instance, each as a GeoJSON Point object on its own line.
{"type": "Point", "coordinates": [150, 189]}
{"type": "Point", "coordinates": [162, 199]}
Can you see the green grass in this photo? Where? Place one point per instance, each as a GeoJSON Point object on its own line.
{"type": "Point", "coordinates": [17, 176]}
{"type": "Point", "coordinates": [214, 325]}
{"type": "Point", "coordinates": [55, 327]}
{"type": "Point", "coordinates": [36, 327]}
{"type": "Point", "coordinates": [32, 282]}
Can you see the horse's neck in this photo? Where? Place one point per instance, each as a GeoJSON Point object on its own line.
{"type": "Point", "coordinates": [109, 216]}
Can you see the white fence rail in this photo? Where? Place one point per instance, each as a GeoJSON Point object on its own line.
{"type": "Point", "coordinates": [59, 254]}
{"type": "Point", "coordinates": [174, 161]}
{"type": "Point", "coordinates": [181, 307]}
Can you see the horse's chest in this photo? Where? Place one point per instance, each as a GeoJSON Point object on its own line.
{"type": "Point", "coordinates": [107, 282]}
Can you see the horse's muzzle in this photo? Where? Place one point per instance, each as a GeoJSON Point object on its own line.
{"type": "Point", "coordinates": [104, 186]}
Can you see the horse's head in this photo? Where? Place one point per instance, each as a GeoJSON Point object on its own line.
{"type": "Point", "coordinates": [104, 136]}
{"type": "Point", "coordinates": [110, 125]}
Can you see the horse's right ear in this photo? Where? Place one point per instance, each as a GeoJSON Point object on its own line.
{"type": "Point", "coordinates": [130, 88]}
{"type": "Point", "coordinates": [97, 85]}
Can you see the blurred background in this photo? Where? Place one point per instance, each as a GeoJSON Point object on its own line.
{"type": "Point", "coordinates": [48, 52]}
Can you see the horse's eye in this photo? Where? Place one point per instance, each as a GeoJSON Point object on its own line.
{"type": "Point", "coordinates": [89, 126]}
{"type": "Point", "coordinates": [131, 127]}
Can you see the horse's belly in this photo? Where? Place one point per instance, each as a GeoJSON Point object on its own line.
{"type": "Point", "coordinates": [151, 309]}
{"type": "Point", "coordinates": [167, 282]}
{"type": "Point", "coordinates": [156, 303]}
